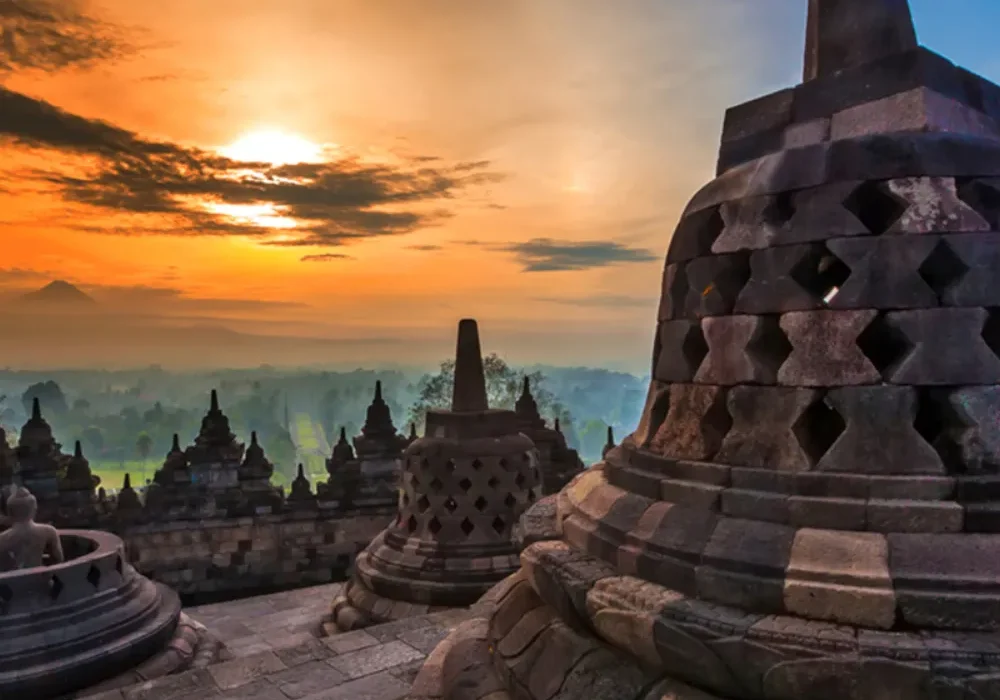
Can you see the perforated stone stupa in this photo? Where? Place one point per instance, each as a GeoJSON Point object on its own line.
{"type": "Point", "coordinates": [464, 485]}
{"type": "Point", "coordinates": [809, 505]}
{"type": "Point", "coordinates": [557, 461]}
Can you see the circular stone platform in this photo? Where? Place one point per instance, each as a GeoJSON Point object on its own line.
{"type": "Point", "coordinates": [73, 625]}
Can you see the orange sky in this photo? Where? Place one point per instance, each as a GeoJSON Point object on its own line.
{"type": "Point", "coordinates": [588, 124]}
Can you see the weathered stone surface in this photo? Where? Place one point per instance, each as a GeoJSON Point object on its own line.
{"type": "Point", "coordinates": [978, 439]}
{"type": "Point", "coordinates": [714, 282]}
{"type": "Point", "coordinates": [741, 349]}
{"type": "Point", "coordinates": [948, 347]}
{"type": "Point", "coordinates": [966, 264]}
{"type": "Point", "coordinates": [695, 423]}
{"type": "Point", "coordinates": [682, 348]}
{"type": "Point", "coordinates": [821, 214]}
{"type": "Point", "coordinates": [884, 273]}
{"type": "Point", "coordinates": [783, 279]}
{"type": "Point", "coordinates": [751, 223]}
{"type": "Point", "coordinates": [933, 206]}
{"type": "Point", "coordinates": [843, 35]}
{"type": "Point", "coordinates": [744, 565]}
{"type": "Point", "coordinates": [825, 350]}
{"type": "Point", "coordinates": [842, 577]}
{"type": "Point", "coordinates": [763, 430]}
{"type": "Point", "coordinates": [879, 436]}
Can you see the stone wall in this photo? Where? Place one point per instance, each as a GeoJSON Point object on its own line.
{"type": "Point", "coordinates": [209, 557]}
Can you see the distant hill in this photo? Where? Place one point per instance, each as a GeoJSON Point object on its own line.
{"type": "Point", "coordinates": [59, 292]}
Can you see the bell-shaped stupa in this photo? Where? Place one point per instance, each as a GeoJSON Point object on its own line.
{"type": "Point", "coordinates": [464, 485]}
{"type": "Point", "coordinates": [809, 505]}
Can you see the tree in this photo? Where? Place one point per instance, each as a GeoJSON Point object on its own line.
{"type": "Point", "coordinates": [92, 438]}
{"type": "Point", "coordinates": [503, 386]}
{"type": "Point", "coordinates": [49, 394]}
{"type": "Point", "coordinates": [593, 437]}
{"type": "Point", "coordinates": [144, 445]}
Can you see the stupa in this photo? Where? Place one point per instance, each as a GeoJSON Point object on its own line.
{"type": "Point", "coordinates": [808, 507]}
{"type": "Point", "coordinates": [215, 457]}
{"type": "Point", "coordinates": [379, 450]}
{"type": "Point", "coordinates": [40, 461]}
{"type": "Point", "coordinates": [558, 463]}
{"type": "Point", "coordinates": [463, 487]}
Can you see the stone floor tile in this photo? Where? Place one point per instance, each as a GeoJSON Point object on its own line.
{"type": "Point", "coordinates": [374, 659]}
{"type": "Point", "coordinates": [307, 679]}
{"type": "Point", "coordinates": [424, 639]}
{"type": "Point", "coordinates": [258, 690]}
{"type": "Point", "coordinates": [181, 686]}
{"type": "Point", "coordinates": [350, 641]}
{"type": "Point", "coordinates": [311, 650]}
{"type": "Point", "coordinates": [241, 671]}
{"type": "Point", "coordinates": [380, 686]}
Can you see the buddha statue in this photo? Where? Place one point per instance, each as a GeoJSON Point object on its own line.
{"type": "Point", "coordinates": [25, 543]}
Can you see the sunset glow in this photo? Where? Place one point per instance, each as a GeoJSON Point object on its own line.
{"type": "Point", "coordinates": [273, 147]}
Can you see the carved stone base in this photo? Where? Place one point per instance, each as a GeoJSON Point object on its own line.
{"type": "Point", "coordinates": [357, 607]}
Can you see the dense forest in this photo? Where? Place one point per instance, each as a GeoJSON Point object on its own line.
{"type": "Point", "coordinates": [125, 420]}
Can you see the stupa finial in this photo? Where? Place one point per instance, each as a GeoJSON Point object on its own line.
{"type": "Point", "coordinates": [215, 401]}
{"type": "Point", "coordinates": [842, 34]}
{"type": "Point", "coordinates": [469, 393]}
{"type": "Point", "coordinates": [36, 409]}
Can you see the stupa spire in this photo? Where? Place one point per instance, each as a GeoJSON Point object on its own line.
{"type": "Point", "coordinates": [215, 401]}
{"type": "Point", "coordinates": [842, 34]}
{"type": "Point", "coordinates": [176, 445]}
{"type": "Point", "coordinates": [78, 450]}
{"type": "Point", "coordinates": [469, 392]}
{"type": "Point", "coordinates": [36, 409]}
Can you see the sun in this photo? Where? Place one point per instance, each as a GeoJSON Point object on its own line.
{"type": "Point", "coordinates": [274, 147]}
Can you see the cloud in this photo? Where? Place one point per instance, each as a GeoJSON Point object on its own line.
{"type": "Point", "coordinates": [325, 257]}
{"type": "Point", "coordinates": [51, 35]}
{"type": "Point", "coordinates": [428, 247]}
{"type": "Point", "coordinates": [158, 187]}
{"type": "Point", "coordinates": [549, 255]}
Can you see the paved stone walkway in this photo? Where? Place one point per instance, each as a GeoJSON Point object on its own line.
{"type": "Point", "coordinates": [277, 656]}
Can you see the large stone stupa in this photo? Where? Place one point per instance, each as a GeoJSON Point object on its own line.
{"type": "Point", "coordinates": [809, 506]}
{"type": "Point", "coordinates": [463, 487]}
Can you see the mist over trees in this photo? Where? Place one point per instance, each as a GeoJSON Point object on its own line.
{"type": "Point", "coordinates": [125, 420]}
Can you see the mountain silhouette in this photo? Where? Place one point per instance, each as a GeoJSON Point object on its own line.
{"type": "Point", "coordinates": [59, 292]}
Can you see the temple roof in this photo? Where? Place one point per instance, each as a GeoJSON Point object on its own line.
{"type": "Point", "coordinates": [378, 421]}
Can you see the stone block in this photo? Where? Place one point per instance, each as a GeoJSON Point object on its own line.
{"type": "Point", "coordinates": [373, 659]}
{"type": "Point", "coordinates": [673, 294]}
{"type": "Point", "coordinates": [964, 268]}
{"type": "Point", "coordinates": [669, 541]}
{"type": "Point", "coordinates": [736, 153]}
{"type": "Point", "coordinates": [751, 223]}
{"type": "Point", "coordinates": [842, 577]}
{"type": "Point", "coordinates": [917, 110]}
{"type": "Point", "coordinates": [947, 581]}
{"type": "Point", "coordinates": [695, 423]}
{"type": "Point", "coordinates": [714, 283]}
{"type": "Point", "coordinates": [690, 493]}
{"type": "Point", "coordinates": [765, 113]}
{"type": "Point", "coordinates": [884, 273]}
{"type": "Point", "coordinates": [820, 485]}
{"type": "Point", "coordinates": [911, 488]}
{"type": "Point", "coordinates": [932, 205]}
{"type": "Point", "coordinates": [239, 672]}
{"type": "Point", "coordinates": [741, 350]}
{"type": "Point", "coordinates": [350, 641]}
{"type": "Point", "coordinates": [882, 78]}
{"type": "Point", "coordinates": [782, 280]}
{"type": "Point", "coordinates": [755, 505]}
{"type": "Point", "coordinates": [763, 480]}
{"type": "Point", "coordinates": [744, 565]}
{"type": "Point", "coordinates": [825, 350]}
{"type": "Point", "coordinates": [763, 430]}
{"type": "Point", "coordinates": [695, 234]}
{"type": "Point", "coordinates": [680, 350]}
{"type": "Point", "coordinates": [879, 436]}
{"type": "Point", "coordinates": [914, 516]}
{"type": "Point", "coordinates": [704, 472]}
{"type": "Point", "coordinates": [826, 513]}
{"type": "Point", "coordinates": [807, 133]}
{"type": "Point", "coordinates": [820, 214]}
{"type": "Point", "coordinates": [948, 347]}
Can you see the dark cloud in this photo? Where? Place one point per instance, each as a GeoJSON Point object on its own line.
{"type": "Point", "coordinates": [326, 257]}
{"type": "Point", "coordinates": [51, 35]}
{"type": "Point", "coordinates": [425, 247]}
{"type": "Point", "coordinates": [167, 188]}
{"type": "Point", "coordinates": [548, 255]}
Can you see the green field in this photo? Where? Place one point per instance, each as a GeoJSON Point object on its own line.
{"type": "Point", "coordinates": [308, 435]}
{"type": "Point", "coordinates": [312, 445]}
{"type": "Point", "coordinates": [112, 473]}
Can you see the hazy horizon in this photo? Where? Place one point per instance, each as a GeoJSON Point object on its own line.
{"type": "Point", "coordinates": [243, 182]}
